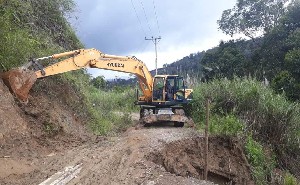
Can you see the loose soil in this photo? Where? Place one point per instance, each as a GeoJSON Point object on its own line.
{"type": "Point", "coordinates": [44, 137]}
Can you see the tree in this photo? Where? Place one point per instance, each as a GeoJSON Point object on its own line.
{"type": "Point", "coordinates": [285, 83]}
{"type": "Point", "coordinates": [226, 61]}
{"type": "Point", "coordinates": [99, 82]}
{"type": "Point", "coordinates": [252, 17]}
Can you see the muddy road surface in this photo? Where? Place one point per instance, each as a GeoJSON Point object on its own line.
{"type": "Point", "coordinates": [106, 160]}
{"type": "Point", "coordinates": [155, 155]}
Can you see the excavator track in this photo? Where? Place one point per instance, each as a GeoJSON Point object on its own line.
{"type": "Point", "coordinates": [148, 117]}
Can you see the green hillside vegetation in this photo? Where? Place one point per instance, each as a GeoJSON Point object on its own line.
{"type": "Point", "coordinates": [273, 56]}
{"type": "Point", "coordinates": [32, 29]}
{"type": "Point", "coordinates": [254, 85]}
{"type": "Point", "coordinates": [247, 109]}
{"type": "Point", "coordinates": [265, 119]}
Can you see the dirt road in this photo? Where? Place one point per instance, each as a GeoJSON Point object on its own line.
{"type": "Point", "coordinates": [143, 156]}
{"type": "Point", "coordinates": [31, 154]}
{"type": "Point", "coordinates": [113, 160]}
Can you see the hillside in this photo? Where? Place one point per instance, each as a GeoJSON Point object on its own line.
{"type": "Point", "coordinates": [272, 57]}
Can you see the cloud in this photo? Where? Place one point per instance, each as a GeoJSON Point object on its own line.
{"type": "Point", "coordinates": [115, 27]}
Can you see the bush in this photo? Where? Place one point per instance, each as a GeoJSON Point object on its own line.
{"type": "Point", "coordinates": [289, 179]}
{"type": "Point", "coordinates": [108, 111]}
{"type": "Point", "coordinates": [228, 125]}
{"type": "Point", "coordinates": [262, 165]}
{"type": "Point", "coordinates": [270, 118]}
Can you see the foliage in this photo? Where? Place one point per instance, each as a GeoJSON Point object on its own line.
{"type": "Point", "coordinates": [99, 82]}
{"type": "Point", "coordinates": [226, 61]}
{"type": "Point", "coordinates": [285, 83]}
{"type": "Point", "coordinates": [289, 179]}
{"type": "Point", "coordinates": [251, 17]}
{"type": "Point", "coordinates": [227, 125]}
{"type": "Point", "coordinates": [262, 165]}
{"type": "Point", "coordinates": [105, 109]}
{"type": "Point", "coordinates": [270, 118]}
{"type": "Point", "coordinates": [33, 28]}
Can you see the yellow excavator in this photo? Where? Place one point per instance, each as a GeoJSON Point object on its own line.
{"type": "Point", "coordinates": [162, 99]}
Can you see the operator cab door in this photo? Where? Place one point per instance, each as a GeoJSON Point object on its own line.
{"type": "Point", "coordinates": [175, 89]}
{"type": "Point", "coordinates": [168, 89]}
{"type": "Point", "coordinates": [158, 89]}
{"type": "Point", "coordinates": [179, 92]}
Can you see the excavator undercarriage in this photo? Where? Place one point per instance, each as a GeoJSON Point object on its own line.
{"type": "Point", "coordinates": [176, 115]}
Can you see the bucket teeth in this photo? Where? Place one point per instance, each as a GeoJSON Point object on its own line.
{"type": "Point", "coordinates": [19, 81]}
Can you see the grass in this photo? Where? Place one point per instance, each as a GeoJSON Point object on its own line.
{"type": "Point", "coordinates": [244, 106]}
{"type": "Point", "coordinates": [29, 29]}
{"type": "Point", "coordinates": [289, 179]}
{"type": "Point", "coordinates": [228, 125]}
{"type": "Point", "coordinates": [262, 164]}
{"type": "Point", "coordinates": [108, 111]}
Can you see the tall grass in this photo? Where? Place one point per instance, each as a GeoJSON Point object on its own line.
{"type": "Point", "coordinates": [31, 29]}
{"type": "Point", "coordinates": [270, 118]}
{"type": "Point", "coordinates": [108, 111]}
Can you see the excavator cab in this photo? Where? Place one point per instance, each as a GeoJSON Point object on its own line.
{"type": "Point", "coordinates": [168, 90]}
{"type": "Point", "coordinates": [168, 97]}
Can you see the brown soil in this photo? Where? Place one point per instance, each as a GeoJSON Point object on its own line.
{"type": "Point", "coordinates": [44, 137]}
{"type": "Point", "coordinates": [186, 157]}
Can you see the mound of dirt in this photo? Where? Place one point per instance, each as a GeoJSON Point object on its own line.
{"type": "Point", "coordinates": [12, 123]}
{"type": "Point", "coordinates": [227, 163]}
{"type": "Point", "coordinates": [39, 127]}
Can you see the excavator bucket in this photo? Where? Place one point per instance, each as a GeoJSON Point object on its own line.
{"type": "Point", "coordinates": [19, 82]}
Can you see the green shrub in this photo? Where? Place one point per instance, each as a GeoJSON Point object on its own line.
{"type": "Point", "coordinates": [270, 118]}
{"type": "Point", "coordinates": [262, 165]}
{"type": "Point", "coordinates": [108, 111]}
{"type": "Point", "coordinates": [228, 125]}
{"type": "Point", "coordinates": [289, 179]}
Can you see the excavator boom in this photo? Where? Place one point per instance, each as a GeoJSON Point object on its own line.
{"type": "Point", "coordinates": [161, 100]}
{"type": "Point", "coordinates": [22, 79]}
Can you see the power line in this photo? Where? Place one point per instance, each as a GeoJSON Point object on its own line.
{"type": "Point", "coordinates": [146, 16]}
{"type": "Point", "coordinates": [156, 17]}
{"type": "Point", "coordinates": [138, 18]}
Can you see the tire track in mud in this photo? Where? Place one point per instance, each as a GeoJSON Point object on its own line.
{"type": "Point", "coordinates": [116, 160]}
{"type": "Point", "coordinates": [155, 155]}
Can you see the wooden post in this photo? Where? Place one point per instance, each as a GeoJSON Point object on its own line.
{"type": "Point", "coordinates": [206, 138]}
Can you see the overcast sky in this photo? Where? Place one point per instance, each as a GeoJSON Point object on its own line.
{"type": "Point", "coordinates": [119, 27]}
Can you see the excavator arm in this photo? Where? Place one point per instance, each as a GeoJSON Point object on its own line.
{"type": "Point", "coordinates": [20, 81]}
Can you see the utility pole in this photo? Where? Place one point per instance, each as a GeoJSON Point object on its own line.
{"type": "Point", "coordinates": [155, 41]}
